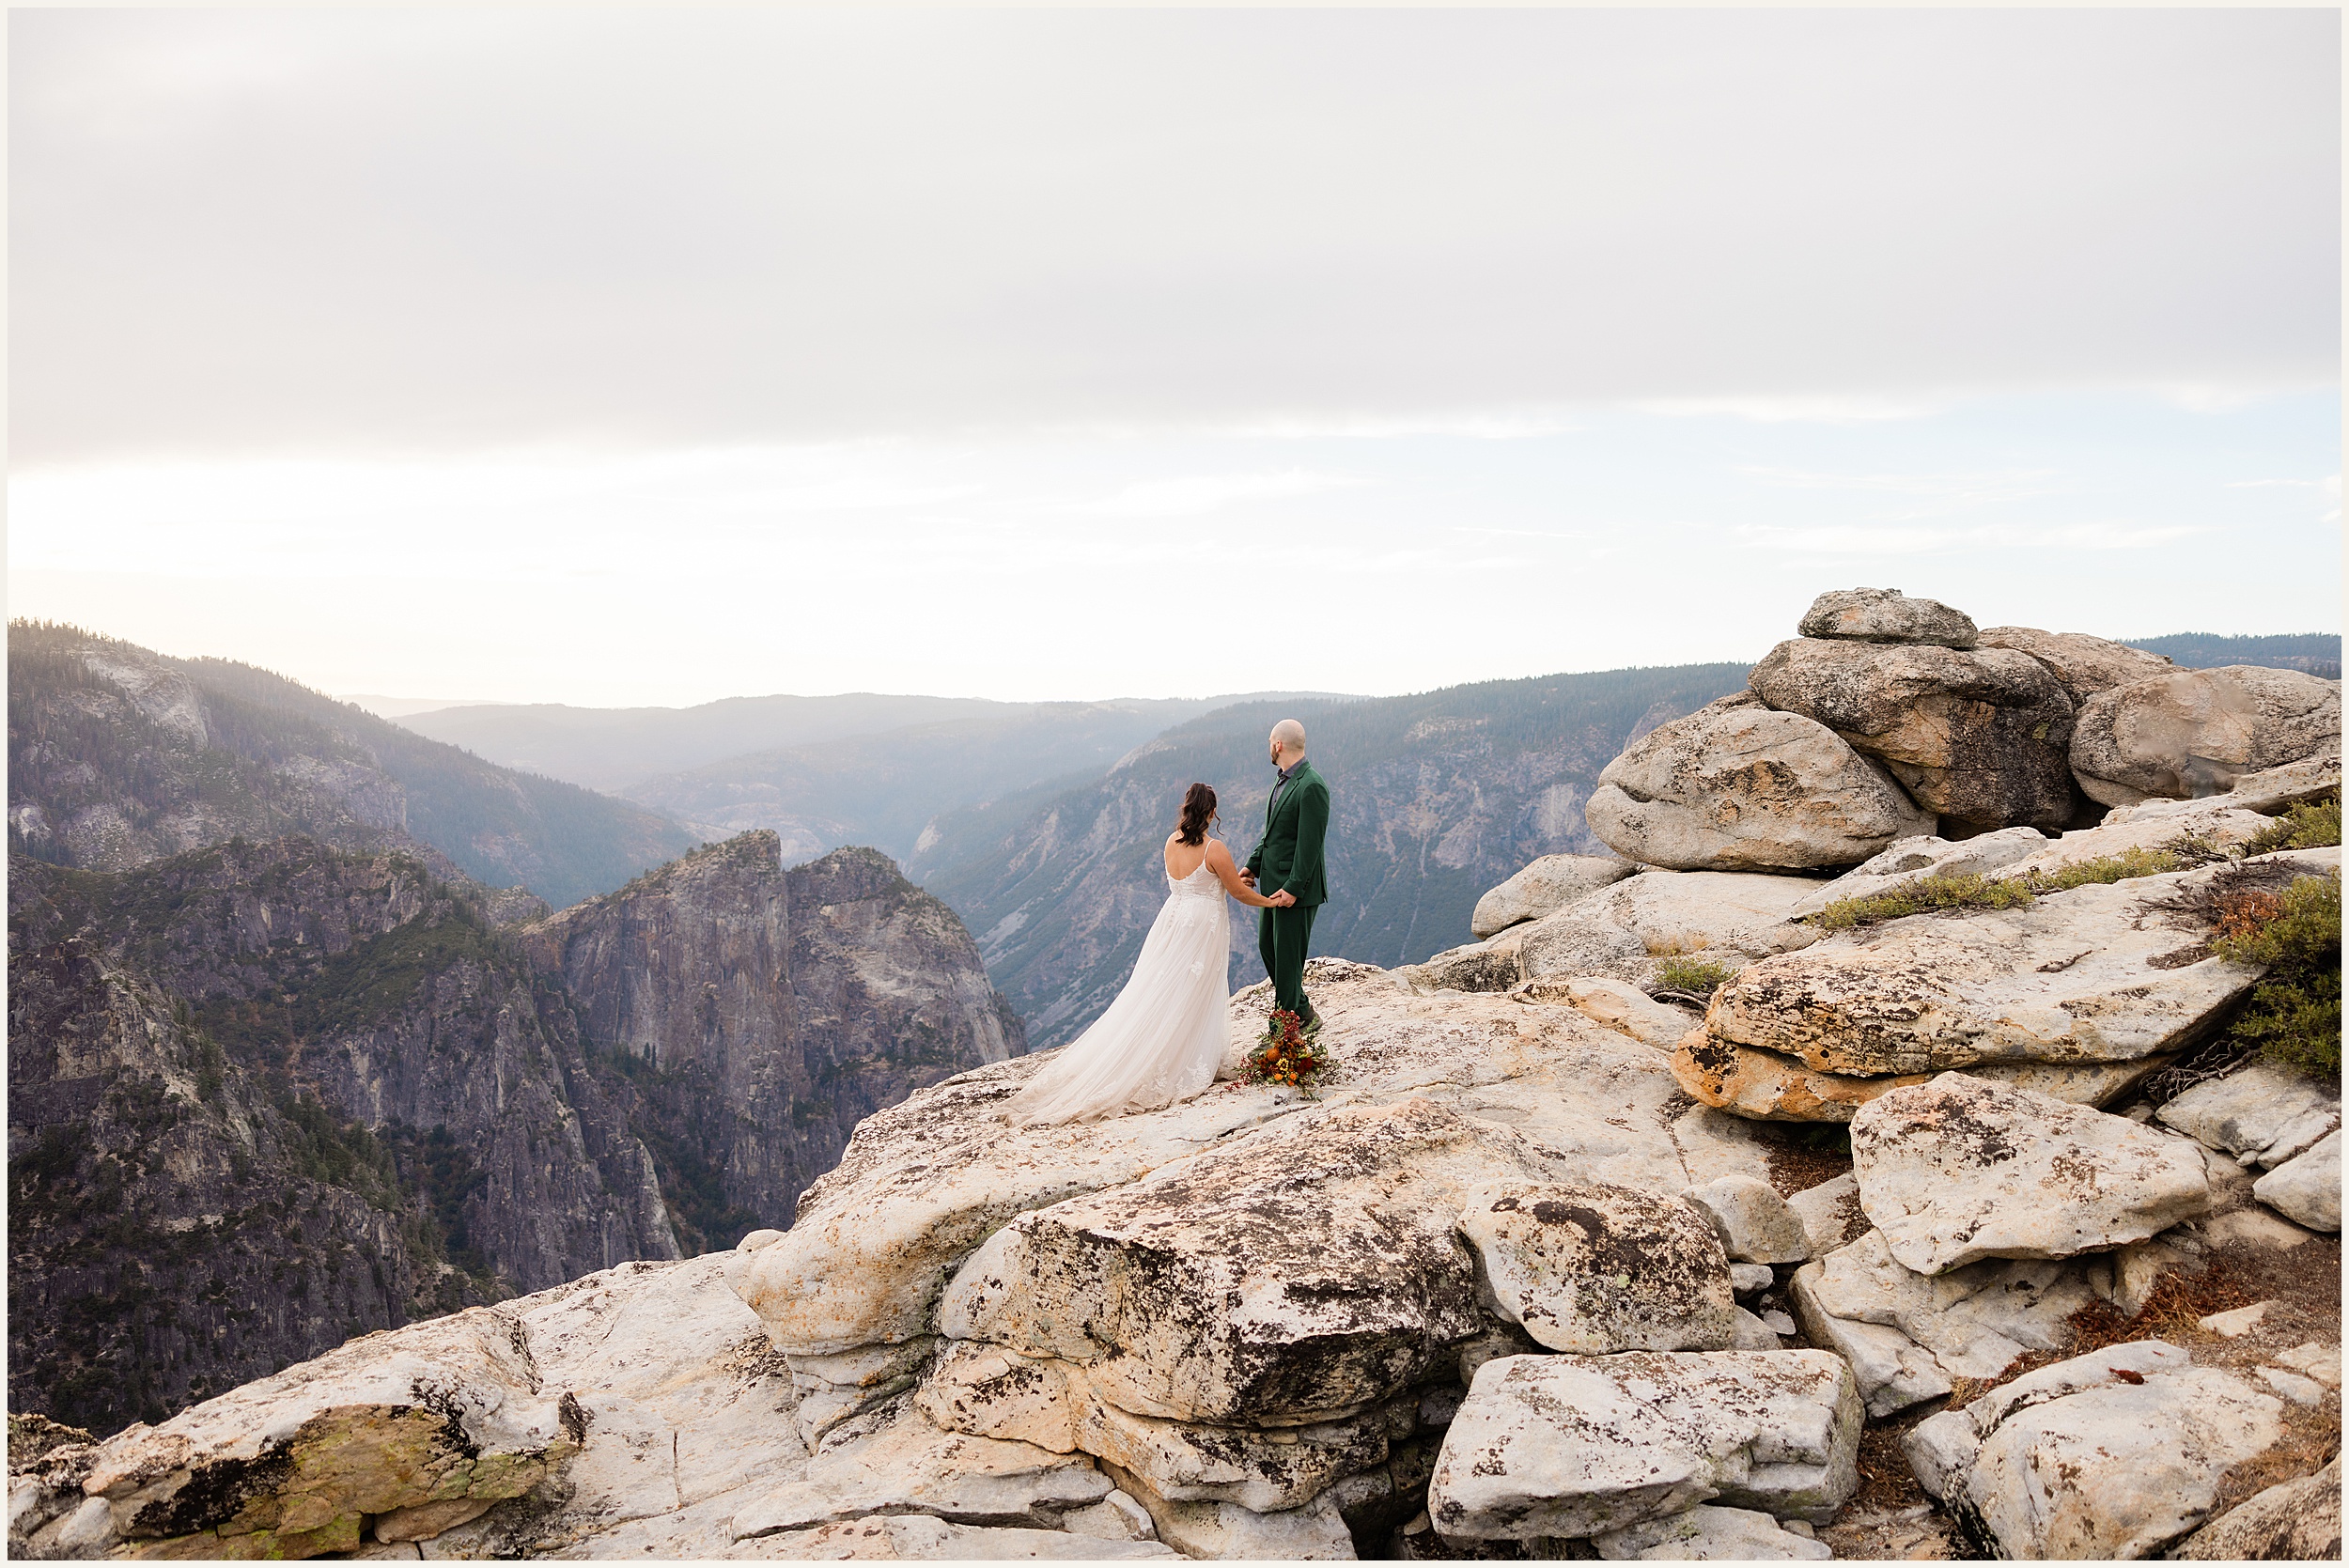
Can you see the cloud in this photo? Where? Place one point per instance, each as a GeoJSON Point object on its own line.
{"type": "Point", "coordinates": [1829, 410]}
{"type": "Point", "coordinates": [1209, 492]}
{"type": "Point", "coordinates": [1864, 539]}
{"type": "Point", "coordinates": [366, 231]}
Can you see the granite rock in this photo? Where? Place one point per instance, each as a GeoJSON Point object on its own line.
{"type": "Point", "coordinates": [2262, 1115]}
{"type": "Point", "coordinates": [1981, 738]}
{"type": "Point", "coordinates": [1735, 786]}
{"type": "Point", "coordinates": [1754, 1223]}
{"type": "Point", "coordinates": [2112, 1455]}
{"type": "Point", "coordinates": [2306, 1188]}
{"type": "Point", "coordinates": [1543, 888]}
{"type": "Point", "coordinates": [1591, 1270]}
{"type": "Point", "coordinates": [1959, 1169]}
{"type": "Point", "coordinates": [1887, 615]}
{"type": "Point", "coordinates": [1582, 1445]}
{"type": "Point", "coordinates": [2195, 732]}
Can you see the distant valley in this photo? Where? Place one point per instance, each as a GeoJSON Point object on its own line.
{"type": "Point", "coordinates": [296, 1052]}
{"type": "Point", "coordinates": [1437, 797]}
{"type": "Point", "coordinates": [819, 773]}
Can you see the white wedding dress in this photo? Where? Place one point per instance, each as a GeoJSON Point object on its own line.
{"type": "Point", "coordinates": [1163, 1037]}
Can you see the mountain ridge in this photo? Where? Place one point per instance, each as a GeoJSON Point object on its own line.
{"type": "Point", "coordinates": [119, 755]}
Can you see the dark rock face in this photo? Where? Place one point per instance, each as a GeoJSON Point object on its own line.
{"type": "Point", "coordinates": [1979, 737]}
{"type": "Point", "coordinates": [267, 1096]}
{"type": "Point", "coordinates": [761, 1013]}
{"type": "Point", "coordinates": [264, 1098]}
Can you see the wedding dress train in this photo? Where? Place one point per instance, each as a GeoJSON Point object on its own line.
{"type": "Point", "coordinates": [1163, 1037]}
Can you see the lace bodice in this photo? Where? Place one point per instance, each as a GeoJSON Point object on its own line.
{"type": "Point", "coordinates": [1201, 883]}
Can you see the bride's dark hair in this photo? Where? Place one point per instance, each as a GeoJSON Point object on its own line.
{"type": "Point", "coordinates": [1198, 805]}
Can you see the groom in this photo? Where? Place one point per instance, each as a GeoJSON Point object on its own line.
{"type": "Point", "coordinates": [1288, 858]}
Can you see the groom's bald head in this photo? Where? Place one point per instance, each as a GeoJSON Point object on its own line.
{"type": "Point", "coordinates": [1288, 741]}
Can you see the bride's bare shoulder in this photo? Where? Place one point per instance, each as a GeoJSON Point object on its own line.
{"type": "Point", "coordinates": [1218, 852]}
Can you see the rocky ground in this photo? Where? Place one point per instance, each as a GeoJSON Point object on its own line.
{"type": "Point", "coordinates": [1688, 1216]}
{"type": "Point", "coordinates": [1475, 1299]}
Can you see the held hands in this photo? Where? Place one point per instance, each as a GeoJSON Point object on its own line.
{"type": "Point", "coordinates": [1281, 900]}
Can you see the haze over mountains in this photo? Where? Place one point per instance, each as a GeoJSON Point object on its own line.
{"type": "Point", "coordinates": [818, 771]}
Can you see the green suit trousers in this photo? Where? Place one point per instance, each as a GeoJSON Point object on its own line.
{"type": "Point", "coordinates": [1280, 938]}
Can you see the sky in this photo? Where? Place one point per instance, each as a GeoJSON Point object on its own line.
{"type": "Point", "coordinates": [614, 356]}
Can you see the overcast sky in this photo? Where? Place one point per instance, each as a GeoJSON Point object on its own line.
{"type": "Point", "coordinates": [608, 356]}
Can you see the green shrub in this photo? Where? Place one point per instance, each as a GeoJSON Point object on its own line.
{"type": "Point", "coordinates": [1699, 977]}
{"type": "Point", "coordinates": [2107, 868]}
{"type": "Point", "coordinates": [2310, 825]}
{"type": "Point", "coordinates": [1919, 898]}
{"type": "Point", "coordinates": [2293, 1016]}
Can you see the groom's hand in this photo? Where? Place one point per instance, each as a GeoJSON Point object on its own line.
{"type": "Point", "coordinates": [1248, 877]}
{"type": "Point", "coordinates": [1282, 899]}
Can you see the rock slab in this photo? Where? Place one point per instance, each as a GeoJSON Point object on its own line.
{"type": "Point", "coordinates": [1591, 1270]}
{"type": "Point", "coordinates": [1982, 737]}
{"type": "Point", "coordinates": [2307, 1188]}
{"type": "Point", "coordinates": [2112, 1455]}
{"type": "Point", "coordinates": [1581, 1445]}
{"type": "Point", "coordinates": [1887, 615]}
{"type": "Point", "coordinates": [1543, 888]}
{"type": "Point", "coordinates": [2196, 732]}
{"type": "Point", "coordinates": [1735, 786]}
{"type": "Point", "coordinates": [1959, 1169]}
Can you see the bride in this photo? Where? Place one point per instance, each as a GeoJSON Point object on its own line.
{"type": "Point", "coordinates": [1163, 1037]}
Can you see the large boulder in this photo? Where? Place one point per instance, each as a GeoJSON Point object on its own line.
{"type": "Point", "coordinates": [1545, 887]}
{"type": "Point", "coordinates": [1959, 1169]}
{"type": "Point", "coordinates": [1298, 1276]}
{"type": "Point", "coordinates": [449, 1415]}
{"type": "Point", "coordinates": [1709, 1534]}
{"type": "Point", "coordinates": [2082, 665]}
{"type": "Point", "coordinates": [1908, 1336]}
{"type": "Point", "coordinates": [1981, 738]}
{"type": "Point", "coordinates": [1768, 1087]}
{"type": "Point", "coordinates": [1735, 786]}
{"type": "Point", "coordinates": [924, 1182]}
{"type": "Point", "coordinates": [2195, 732]}
{"type": "Point", "coordinates": [1886, 615]}
{"type": "Point", "coordinates": [1583, 1444]}
{"type": "Point", "coordinates": [1593, 1269]}
{"type": "Point", "coordinates": [1728, 917]}
{"type": "Point", "coordinates": [2105, 973]}
{"type": "Point", "coordinates": [2306, 1188]}
{"type": "Point", "coordinates": [2112, 1455]}
{"type": "Point", "coordinates": [630, 1411]}
{"type": "Point", "coordinates": [2258, 1114]}
{"type": "Point", "coordinates": [2295, 1521]}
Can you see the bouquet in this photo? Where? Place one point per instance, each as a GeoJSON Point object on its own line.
{"type": "Point", "coordinates": [1288, 1054]}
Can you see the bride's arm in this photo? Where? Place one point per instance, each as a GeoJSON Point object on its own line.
{"type": "Point", "coordinates": [1219, 861]}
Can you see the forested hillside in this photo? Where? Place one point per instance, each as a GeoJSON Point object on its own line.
{"type": "Point", "coordinates": [2317, 653]}
{"type": "Point", "coordinates": [119, 755]}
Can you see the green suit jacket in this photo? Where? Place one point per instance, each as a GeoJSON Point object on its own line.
{"type": "Point", "coordinates": [1289, 854]}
